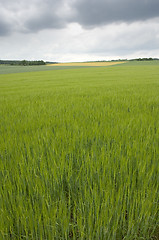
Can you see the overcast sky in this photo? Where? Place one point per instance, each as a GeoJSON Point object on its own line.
{"type": "Point", "coordinates": [78, 30]}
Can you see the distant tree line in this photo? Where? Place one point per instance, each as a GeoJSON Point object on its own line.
{"type": "Point", "coordinates": [31, 63]}
{"type": "Point", "coordinates": [22, 63]}
{"type": "Point", "coordinates": [144, 59]}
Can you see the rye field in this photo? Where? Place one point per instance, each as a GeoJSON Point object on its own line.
{"type": "Point", "coordinates": [79, 153]}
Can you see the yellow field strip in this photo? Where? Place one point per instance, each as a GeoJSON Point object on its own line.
{"type": "Point", "coordinates": [93, 64]}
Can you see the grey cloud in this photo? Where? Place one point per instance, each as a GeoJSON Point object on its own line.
{"type": "Point", "coordinates": [46, 15]}
{"type": "Point", "coordinates": [34, 15]}
{"type": "Point", "coordinates": [100, 12]}
{"type": "Point", "coordinates": [4, 29]}
{"type": "Point", "coordinates": [44, 21]}
{"type": "Point", "coordinates": [116, 39]}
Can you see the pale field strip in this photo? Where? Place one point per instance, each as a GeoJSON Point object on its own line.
{"type": "Point", "coordinates": [93, 64]}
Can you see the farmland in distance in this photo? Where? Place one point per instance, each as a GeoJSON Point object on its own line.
{"type": "Point", "coordinates": [79, 153]}
{"type": "Point", "coordinates": [6, 69]}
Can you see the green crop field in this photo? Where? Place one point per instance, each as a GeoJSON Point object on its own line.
{"type": "Point", "coordinates": [6, 69]}
{"type": "Point", "coordinates": [79, 153]}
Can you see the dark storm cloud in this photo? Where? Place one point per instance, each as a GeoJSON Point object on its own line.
{"type": "Point", "coordinates": [35, 15]}
{"type": "Point", "coordinates": [100, 12]}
